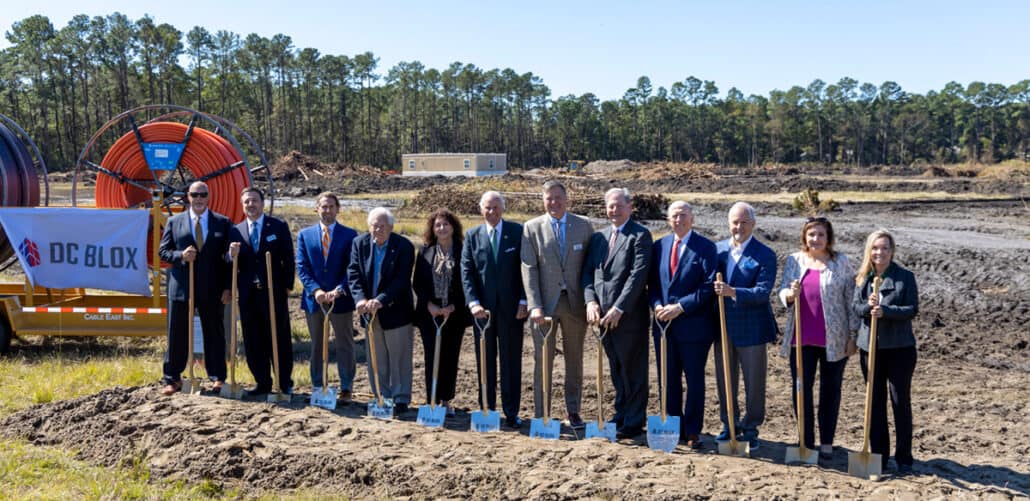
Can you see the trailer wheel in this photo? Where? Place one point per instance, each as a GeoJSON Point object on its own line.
{"type": "Point", "coordinates": [5, 335]}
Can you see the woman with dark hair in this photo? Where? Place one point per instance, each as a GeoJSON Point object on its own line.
{"type": "Point", "coordinates": [894, 306]}
{"type": "Point", "coordinates": [437, 284]}
{"type": "Point", "coordinates": [823, 281]}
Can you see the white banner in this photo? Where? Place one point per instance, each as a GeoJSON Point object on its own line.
{"type": "Point", "coordinates": [68, 247]}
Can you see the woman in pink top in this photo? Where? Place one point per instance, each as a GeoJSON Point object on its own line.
{"type": "Point", "coordinates": [823, 281]}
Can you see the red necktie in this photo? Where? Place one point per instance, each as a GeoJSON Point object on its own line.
{"type": "Point", "coordinates": [674, 258]}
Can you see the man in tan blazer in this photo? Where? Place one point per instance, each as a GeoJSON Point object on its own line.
{"type": "Point", "coordinates": [554, 249]}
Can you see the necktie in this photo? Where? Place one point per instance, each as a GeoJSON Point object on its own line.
{"type": "Point", "coordinates": [557, 225]}
{"type": "Point", "coordinates": [674, 258]}
{"type": "Point", "coordinates": [611, 244]}
{"type": "Point", "coordinates": [325, 242]}
{"type": "Point", "coordinates": [493, 241]}
{"type": "Point", "coordinates": [198, 234]}
{"type": "Point", "coordinates": [254, 236]}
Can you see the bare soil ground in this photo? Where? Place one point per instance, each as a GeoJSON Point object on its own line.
{"type": "Point", "coordinates": [971, 403]}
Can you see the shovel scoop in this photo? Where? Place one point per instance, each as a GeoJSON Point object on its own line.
{"type": "Point", "coordinates": [324, 396]}
{"type": "Point", "coordinates": [663, 431]}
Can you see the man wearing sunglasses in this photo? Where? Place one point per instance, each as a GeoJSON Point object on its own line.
{"type": "Point", "coordinates": [200, 236]}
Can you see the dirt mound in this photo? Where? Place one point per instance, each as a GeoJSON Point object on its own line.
{"type": "Point", "coordinates": [607, 167]}
{"type": "Point", "coordinates": [464, 199]}
{"type": "Point", "coordinates": [298, 166]}
{"type": "Point", "coordinates": [936, 171]}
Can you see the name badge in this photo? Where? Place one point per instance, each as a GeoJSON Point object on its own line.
{"type": "Point", "coordinates": [509, 250]}
{"type": "Point", "coordinates": [577, 247]}
{"type": "Point", "coordinates": [270, 238]}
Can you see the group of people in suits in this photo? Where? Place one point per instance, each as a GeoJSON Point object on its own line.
{"type": "Point", "coordinates": [555, 267]}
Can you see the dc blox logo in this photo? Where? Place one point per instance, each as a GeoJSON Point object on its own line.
{"type": "Point", "coordinates": [30, 252]}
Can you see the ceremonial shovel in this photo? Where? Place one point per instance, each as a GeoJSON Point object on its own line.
{"type": "Point", "coordinates": [545, 428]}
{"type": "Point", "coordinates": [663, 432]}
{"type": "Point", "coordinates": [325, 397]}
{"type": "Point", "coordinates": [378, 408]}
{"type": "Point", "coordinates": [234, 389]}
{"type": "Point", "coordinates": [277, 395]}
{"type": "Point", "coordinates": [433, 415]}
{"type": "Point", "coordinates": [800, 454]}
{"type": "Point", "coordinates": [600, 429]}
{"type": "Point", "coordinates": [866, 464]}
{"type": "Point", "coordinates": [733, 447]}
{"type": "Point", "coordinates": [192, 383]}
{"type": "Point", "coordinates": [484, 420]}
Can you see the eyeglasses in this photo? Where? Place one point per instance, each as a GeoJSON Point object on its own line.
{"type": "Point", "coordinates": [198, 194]}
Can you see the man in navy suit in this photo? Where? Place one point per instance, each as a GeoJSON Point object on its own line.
{"type": "Point", "coordinates": [323, 253]}
{"type": "Point", "coordinates": [200, 236]}
{"type": "Point", "coordinates": [749, 271]}
{"type": "Point", "coordinates": [379, 274]}
{"type": "Point", "coordinates": [255, 236]}
{"type": "Point", "coordinates": [680, 291]}
{"type": "Point", "coordinates": [613, 286]}
{"type": "Point", "coordinates": [491, 275]}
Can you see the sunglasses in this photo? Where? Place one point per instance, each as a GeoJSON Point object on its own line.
{"type": "Point", "coordinates": [198, 194]}
{"type": "Point", "coordinates": [817, 220]}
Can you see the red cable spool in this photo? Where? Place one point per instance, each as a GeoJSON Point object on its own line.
{"type": "Point", "coordinates": [205, 153]}
{"type": "Point", "coordinates": [210, 152]}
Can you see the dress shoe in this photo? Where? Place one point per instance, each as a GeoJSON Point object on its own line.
{"type": "Point", "coordinates": [576, 422]}
{"type": "Point", "coordinates": [400, 408]}
{"type": "Point", "coordinates": [171, 388]}
{"type": "Point", "coordinates": [257, 391]}
{"type": "Point", "coordinates": [216, 387]}
{"type": "Point", "coordinates": [514, 422]}
{"type": "Point", "coordinates": [694, 442]}
{"type": "Point", "coordinates": [723, 436]}
{"type": "Point", "coordinates": [346, 397]}
{"type": "Point", "coordinates": [628, 434]}
{"type": "Point", "coordinates": [904, 470]}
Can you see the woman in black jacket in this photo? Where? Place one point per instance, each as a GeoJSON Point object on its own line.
{"type": "Point", "coordinates": [437, 284]}
{"type": "Point", "coordinates": [894, 306]}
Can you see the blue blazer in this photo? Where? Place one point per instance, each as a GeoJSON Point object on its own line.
{"type": "Point", "coordinates": [327, 273]}
{"type": "Point", "coordinates": [495, 283]}
{"type": "Point", "coordinates": [394, 290]}
{"type": "Point", "coordinates": [691, 287]}
{"type": "Point", "coordinates": [749, 317]}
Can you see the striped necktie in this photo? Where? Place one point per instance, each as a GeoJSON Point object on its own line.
{"type": "Point", "coordinates": [325, 242]}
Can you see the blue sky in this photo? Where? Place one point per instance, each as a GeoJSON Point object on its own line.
{"type": "Point", "coordinates": [604, 46]}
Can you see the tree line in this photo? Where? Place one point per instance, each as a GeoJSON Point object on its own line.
{"type": "Point", "coordinates": [62, 84]}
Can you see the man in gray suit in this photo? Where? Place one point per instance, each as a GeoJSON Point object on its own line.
{"type": "Point", "coordinates": [613, 286]}
{"type": "Point", "coordinates": [554, 249]}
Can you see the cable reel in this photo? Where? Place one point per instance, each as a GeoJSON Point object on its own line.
{"type": "Point", "coordinates": [21, 167]}
{"type": "Point", "coordinates": [153, 164]}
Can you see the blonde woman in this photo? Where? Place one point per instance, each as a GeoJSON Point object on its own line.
{"type": "Point", "coordinates": [894, 306]}
{"type": "Point", "coordinates": [823, 281]}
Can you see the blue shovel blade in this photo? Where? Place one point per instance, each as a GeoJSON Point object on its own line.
{"type": "Point", "coordinates": [663, 436]}
{"type": "Point", "coordinates": [432, 417]}
{"type": "Point", "coordinates": [547, 431]}
{"type": "Point", "coordinates": [324, 398]}
{"type": "Point", "coordinates": [606, 432]}
{"type": "Point", "coordinates": [486, 423]}
{"type": "Point", "coordinates": [381, 412]}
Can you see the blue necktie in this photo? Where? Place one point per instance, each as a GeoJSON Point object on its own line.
{"type": "Point", "coordinates": [253, 236]}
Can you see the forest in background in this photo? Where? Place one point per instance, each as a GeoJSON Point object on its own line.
{"type": "Point", "coordinates": [62, 84]}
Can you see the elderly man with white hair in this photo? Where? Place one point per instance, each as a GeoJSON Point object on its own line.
{"type": "Point", "coordinates": [749, 274]}
{"type": "Point", "coordinates": [680, 291]}
{"type": "Point", "coordinates": [491, 275]}
{"type": "Point", "coordinates": [614, 282]}
{"type": "Point", "coordinates": [379, 273]}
